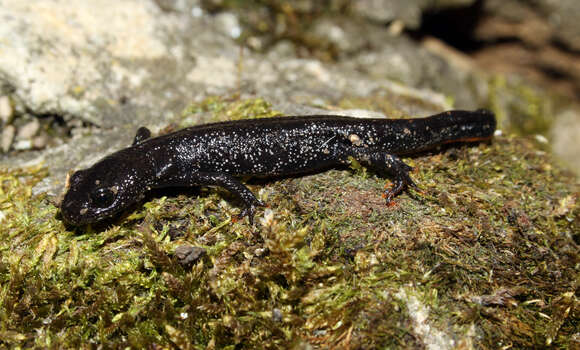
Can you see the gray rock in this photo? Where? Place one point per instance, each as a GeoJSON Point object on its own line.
{"type": "Point", "coordinates": [535, 22]}
{"type": "Point", "coordinates": [565, 134]}
{"type": "Point", "coordinates": [359, 113]}
{"type": "Point", "coordinates": [8, 133]}
{"type": "Point", "coordinates": [6, 110]}
{"type": "Point", "coordinates": [22, 145]}
{"type": "Point", "coordinates": [409, 12]}
{"type": "Point", "coordinates": [183, 6]}
{"type": "Point", "coordinates": [346, 36]}
{"type": "Point", "coordinates": [115, 66]}
{"type": "Point", "coordinates": [283, 48]}
{"type": "Point", "coordinates": [228, 24]}
{"type": "Point", "coordinates": [399, 59]}
{"type": "Point", "coordinates": [187, 254]}
{"type": "Point", "coordinates": [563, 15]}
{"type": "Point", "coordinates": [28, 130]}
{"type": "Point", "coordinates": [40, 141]}
{"type": "Point", "coordinates": [77, 61]}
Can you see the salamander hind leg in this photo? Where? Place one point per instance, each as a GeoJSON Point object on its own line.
{"type": "Point", "coordinates": [399, 170]}
{"type": "Point", "coordinates": [386, 164]}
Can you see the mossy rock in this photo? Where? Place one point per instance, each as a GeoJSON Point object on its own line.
{"type": "Point", "coordinates": [485, 256]}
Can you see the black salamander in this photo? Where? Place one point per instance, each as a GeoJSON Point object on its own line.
{"type": "Point", "coordinates": [215, 154]}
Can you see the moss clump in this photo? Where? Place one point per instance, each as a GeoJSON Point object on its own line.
{"type": "Point", "coordinates": [216, 108]}
{"type": "Point", "coordinates": [520, 108]}
{"type": "Point", "coordinates": [485, 256]}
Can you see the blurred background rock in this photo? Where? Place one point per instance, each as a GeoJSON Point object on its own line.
{"type": "Point", "coordinates": [85, 75]}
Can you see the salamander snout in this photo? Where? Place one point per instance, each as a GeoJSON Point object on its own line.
{"type": "Point", "coordinates": [101, 191]}
{"type": "Point", "coordinates": [87, 201]}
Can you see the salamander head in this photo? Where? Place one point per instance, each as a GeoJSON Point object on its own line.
{"type": "Point", "coordinates": [105, 189]}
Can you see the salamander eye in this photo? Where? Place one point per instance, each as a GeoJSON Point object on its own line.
{"type": "Point", "coordinates": [103, 197]}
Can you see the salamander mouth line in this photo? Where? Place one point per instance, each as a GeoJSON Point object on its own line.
{"type": "Point", "coordinates": [468, 139]}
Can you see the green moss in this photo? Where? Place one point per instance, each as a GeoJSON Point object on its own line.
{"type": "Point", "coordinates": [216, 108]}
{"type": "Point", "coordinates": [488, 251]}
{"type": "Point", "coordinates": [520, 108]}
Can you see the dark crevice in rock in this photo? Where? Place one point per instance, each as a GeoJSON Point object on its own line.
{"type": "Point", "coordinates": [60, 126]}
{"type": "Point", "coordinates": [517, 38]}
{"type": "Point", "coordinates": [455, 26]}
{"type": "Point", "coordinates": [553, 72]}
{"type": "Point", "coordinates": [35, 131]}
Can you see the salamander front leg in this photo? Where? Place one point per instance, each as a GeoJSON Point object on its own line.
{"type": "Point", "coordinates": [142, 134]}
{"type": "Point", "coordinates": [226, 181]}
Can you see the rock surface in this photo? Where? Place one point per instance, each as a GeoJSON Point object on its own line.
{"type": "Point", "coordinates": [130, 64]}
{"type": "Point", "coordinates": [105, 68]}
{"type": "Point", "coordinates": [409, 12]}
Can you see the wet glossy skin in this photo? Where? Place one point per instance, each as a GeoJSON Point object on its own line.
{"type": "Point", "coordinates": [214, 154]}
